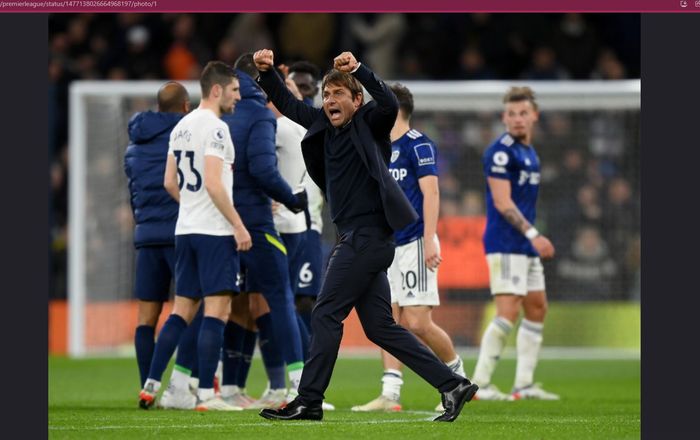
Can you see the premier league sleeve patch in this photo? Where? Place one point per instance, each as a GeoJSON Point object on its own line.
{"type": "Point", "coordinates": [425, 154]}
{"type": "Point", "coordinates": [499, 162]}
{"type": "Point", "coordinates": [218, 139]}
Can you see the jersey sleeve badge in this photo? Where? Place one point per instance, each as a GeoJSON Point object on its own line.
{"type": "Point", "coordinates": [425, 154]}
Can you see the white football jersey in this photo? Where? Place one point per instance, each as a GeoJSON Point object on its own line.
{"type": "Point", "coordinates": [315, 204]}
{"type": "Point", "coordinates": [292, 168]}
{"type": "Point", "coordinates": [201, 133]}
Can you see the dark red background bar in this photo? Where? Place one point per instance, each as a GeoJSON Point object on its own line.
{"type": "Point", "coordinates": [68, 6]}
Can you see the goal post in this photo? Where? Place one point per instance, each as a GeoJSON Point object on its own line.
{"type": "Point", "coordinates": [101, 253]}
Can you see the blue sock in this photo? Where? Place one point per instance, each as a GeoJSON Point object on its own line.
{"type": "Point", "coordinates": [306, 317]}
{"type": "Point", "coordinates": [187, 347]}
{"type": "Point", "coordinates": [211, 338]}
{"type": "Point", "coordinates": [232, 354]}
{"type": "Point", "coordinates": [304, 333]}
{"type": "Point", "coordinates": [165, 347]}
{"type": "Point", "coordinates": [144, 343]}
{"type": "Point", "coordinates": [272, 357]}
{"type": "Point", "coordinates": [249, 339]}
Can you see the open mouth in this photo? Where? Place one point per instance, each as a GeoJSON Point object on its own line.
{"type": "Point", "coordinates": [334, 113]}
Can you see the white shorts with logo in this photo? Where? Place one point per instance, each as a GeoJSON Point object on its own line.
{"type": "Point", "coordinates": [412, 283]}
{"type": "Point", "coordinates": [515, 274]}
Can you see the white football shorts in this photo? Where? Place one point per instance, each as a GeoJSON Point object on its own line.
{"type": "Point", "coordinates": [412, 283]}
{"type": "Point", "coordinates": [515, 274]}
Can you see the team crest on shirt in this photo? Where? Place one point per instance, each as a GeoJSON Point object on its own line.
{"type": "Point", "coordinates": [516, 279]}
{"type": "Point", "coordinates": [527, 162]}
{"type": "Point", "coordinates": [395, 155]}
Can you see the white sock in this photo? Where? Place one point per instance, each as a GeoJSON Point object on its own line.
{"type": "Point", "coordinates": [194, 383]}
{"type": "Point", "coordinates": [155, 383]}
{"type": "Point", "coordinates": [294, 378]}
{"type": "Point", "coordinates": [492, 344]}
{"type": "Point", "coordinates": [529, 341]}
{"type": "Point", "coordinates": [229, 390]}
{"type": "Point", "coordinates": [179, 379]}
{"type": "Point", "coordinates": [204, 394]}
{"type": "Point", "coordinates": [457, 366]}
{"type": "Point", "coordinates": [391, 384]}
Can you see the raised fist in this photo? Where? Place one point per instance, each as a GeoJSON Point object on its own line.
{"type": "Point", "coordinates": [345, 62]}
{"type": "Point", "coordinates": [264, 59]}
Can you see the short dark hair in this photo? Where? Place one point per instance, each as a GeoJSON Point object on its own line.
{"type": "Point", "coordinates": [172, 97]}
{"type": "Point", "coordinates": [405, 98]}
{"type": "Point", "coordinates": [305, 67]}
{"type": "Point", "coordinates": [343, 79]}
{"type": "Point", "coordinates": [216, 72]}
{"type": "Point", "coordinates": [517, 94]}
{"type": "Point", "coordinates": [246, 64]}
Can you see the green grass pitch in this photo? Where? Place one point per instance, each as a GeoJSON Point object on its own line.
{"type": "Point", "coordinates": [97, 398]}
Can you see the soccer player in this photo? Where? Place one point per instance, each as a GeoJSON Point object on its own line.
{"type": "Point", "coordinates": [305, 76]}
{"type": "Point", "coordinates": [308, 280]}
{"type": "Point", "coordinates": [513, 250]}
{"type": "Point", "coordinates": [265, 270]}
{"type": "Point", "coordinates": [155, 214]}
{"type": "Point", "coordinates": [346, 151]}
{"type": "Point", "coordinates": [208, 233]}
{"type": "Point", "coordinates": [413, 273]}
{"type": "Point", "coordinates": [291, 226]}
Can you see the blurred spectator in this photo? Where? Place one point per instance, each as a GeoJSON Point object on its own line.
{"type": "Point", "coordinates": [248, 33]}
{"type": "Point", "coordinates": [307, 37]}
{"type": "Point", "coordinates": [143, 62]}
{"type": "Point", "coordinates": [380, 35]}
{"type": "Point", "coordinates": [587, 269]}
{"type": "Point", "coordinates": [187, 54]}
{"type": "Point", "coordinates": [472, 65]}
{"type": "Point", "coordinates": [226, 52]}
{"type": "Point", "coordinates": [544, 66]}
{"type": "Point", "coordinates": [621, 217]}
{"type": "Point", "coordinates": [576, 45]}
{"type": "Point", "coordinates": [608, 66]}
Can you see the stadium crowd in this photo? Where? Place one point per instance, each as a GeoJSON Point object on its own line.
{"type": "Point", "coordinates": [590, 201]}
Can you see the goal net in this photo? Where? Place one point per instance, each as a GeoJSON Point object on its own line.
{"type": "Point", "coordinates": [588, 142]}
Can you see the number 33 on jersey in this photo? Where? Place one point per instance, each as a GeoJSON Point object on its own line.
{"type": "Point", "coordinates": [201, 133]}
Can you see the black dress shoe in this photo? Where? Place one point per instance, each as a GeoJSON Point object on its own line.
{"type": "Point", "coordinates": [295, 410]}
{"type": "Point", "coordinates": [454, 400]}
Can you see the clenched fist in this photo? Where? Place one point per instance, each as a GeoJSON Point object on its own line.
{"type": "Point", "coordinates": [264, 59]}
{"type": "Point", "coordinates": [345, 62]}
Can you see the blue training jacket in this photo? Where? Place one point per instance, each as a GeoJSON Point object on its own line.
{"type": "Point", "coordinates": [256, 178]}
{"type": "Point", "coordinates": [155, 212]}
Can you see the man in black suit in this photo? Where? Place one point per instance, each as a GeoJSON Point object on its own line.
{"type": "Point", "coordinates": [347, 150]}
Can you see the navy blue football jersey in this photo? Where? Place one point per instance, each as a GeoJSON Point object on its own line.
{"type": "Point", "coordinates": [413, 156]}
{"type": "Point", "coordinates": [511, 160]}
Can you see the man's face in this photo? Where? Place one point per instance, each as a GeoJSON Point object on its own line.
{"type": "Point", "coordinates": [339, 104]}
{"type": "Point", "coordinates": [305, 83]}
{"type": "Point", "coordinates": [519, 118]}
{"type": "Point", "coordinates": [230, 96]}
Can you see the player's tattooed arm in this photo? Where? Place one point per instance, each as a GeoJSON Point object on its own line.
{"type": "Point", "coordinates": [500, 190]}
{"type": "Point", "coordinates": [515, 218]}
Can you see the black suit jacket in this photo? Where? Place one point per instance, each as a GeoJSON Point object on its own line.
{"type": "Point", "coordinates": [370, 128]}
